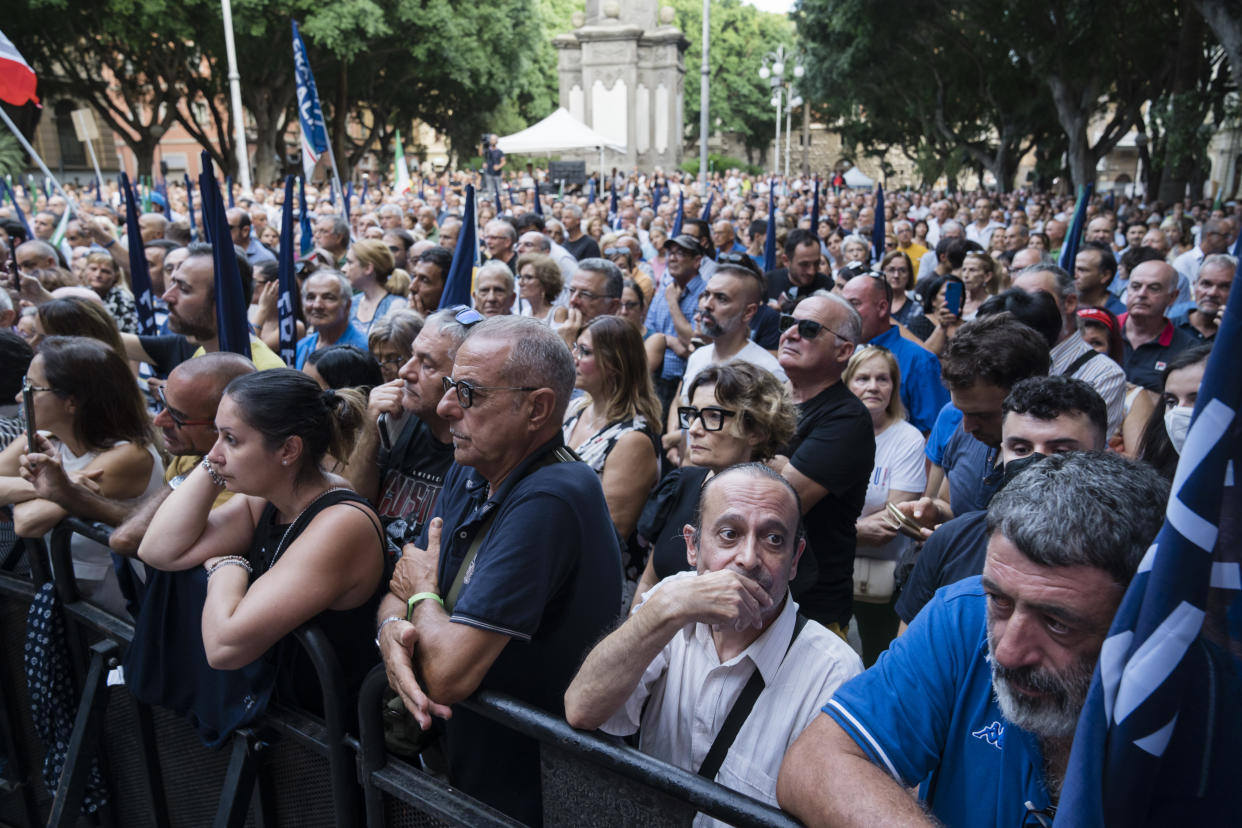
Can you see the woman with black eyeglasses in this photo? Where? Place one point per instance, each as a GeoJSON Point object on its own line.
{"type": "Point", "coordinates": [899, 273]}
{"type": "Point", "coordinates": [93, 424]}
{"type": "Point", "coordinates": [738, 413]}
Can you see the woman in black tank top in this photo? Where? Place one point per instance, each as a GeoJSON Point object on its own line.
{"type": "Point", "coordinates": [295, 544]}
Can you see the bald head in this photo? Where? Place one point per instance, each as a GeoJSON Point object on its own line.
{"type": "Point", "coordinates": [211, 373]}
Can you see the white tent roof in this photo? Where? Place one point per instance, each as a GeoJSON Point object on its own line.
{"type": "Point", "coordinates": [559, 132]}
{"type": "Point", "coordinates": [855, 177]}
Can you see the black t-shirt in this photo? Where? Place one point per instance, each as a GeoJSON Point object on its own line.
{"type": "Point", "coordinates": [778, 284]}
{"type": "Point", "coordinates": [167, 351]}
{"type": "Point", "coordinates": [765, 328]}
{"type": "Point", "coordinates": [584, 248]}
{"type": "Point", "coordinates": [411, 477]}
{"type": "Point", "coordinates": [954, 551]}
{"type": "Point", "coordinates": [834, 446]}
{"type": "Point", "coordinates": [493, 156]}
{"type": "Point", "coordinates": [669, 509]}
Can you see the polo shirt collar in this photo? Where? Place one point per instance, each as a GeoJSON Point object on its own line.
{"type": "Point", "coordinates": [477, 485]}
{"type": "Point", "coordinates": [1166, 336]}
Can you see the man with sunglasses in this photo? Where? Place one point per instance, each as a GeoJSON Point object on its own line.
{"type": "Point", "coordinates": [519, 571]}
{"type": "Point", "coordinates": [187, 419]}
{"type": "Point", "coordinates": [830, 458]}
{"type": "Point", "coordinates": [922, 392]}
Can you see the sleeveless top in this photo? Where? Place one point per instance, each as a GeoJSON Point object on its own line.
{"type": "Point", "coordinates": [347, 630]}
{"type": "Point", "coordinates": [594, 452]}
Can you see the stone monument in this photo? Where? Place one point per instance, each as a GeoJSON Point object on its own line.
{"type": "Point", "coordinates": [621, 73]}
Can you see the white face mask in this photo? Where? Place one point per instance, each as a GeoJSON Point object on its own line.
{"type": "Point", "coordinates": [1176, 424]}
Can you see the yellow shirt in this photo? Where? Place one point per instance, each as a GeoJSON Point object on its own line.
{"type": "Point", "coordinates": [182, 464]}
{"type": "Point", "coordinates": [916, 252]}
{"type": "Point", "coordinates": [262, 356]}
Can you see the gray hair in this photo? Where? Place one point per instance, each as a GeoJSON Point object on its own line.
{"type": "Point", "coordinates": [614, 279]}
{"type": "Point", "coordinates": [1081, 508]}
{"type": "Point", "coordinates": [1065, 280]}
{"type": "Point", "coordinates": [41, 247]}
{"type": "Point", "coordinates": [542, 243]}
{"type": "Point", "coordinates": [852, 328]}
{"type": "Point", "coordinates": [539, 358]}
{"type": "Point", "coordinates": [1219, 260]}
{"type": "Point", "coordinates": [505, 228]}
{"type": "Point", "coordinates": [391, 210]}
{"type": "Point", "coordinates": [399, 328]}
{"type": "Point", "coordinates": [445, 321]}
{"type": "Point", "coordinates": [340, 227]}
{"type": "Point", "coordinates": [574, 209]}
{"type": "Point", "coordinates": [347, 290]}
{"type": "Point", "coordinates": [951, 224]}
{"type": "Point", "coordinates": [495, 266]}
{"type": "Point", "coordinates": [898, 225]}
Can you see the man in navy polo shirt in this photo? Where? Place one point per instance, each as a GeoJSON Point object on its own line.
{"type": "Point", "coordinates": [518, 573]}
{"type": "Point", "coordinates": [1149, 339]}
{"type": "Point", "coordinates": [922, 392]}
{"type": "Point", "coordinates": [978, 702]}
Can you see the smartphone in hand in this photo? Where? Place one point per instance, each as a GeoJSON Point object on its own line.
{"type": "Point", "coordinates": [32, 444]}
{"type": "Point", "coordinates": [953, 293]}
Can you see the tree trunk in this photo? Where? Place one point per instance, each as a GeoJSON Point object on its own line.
{"type": "Point", "coordinates": [1225, 20]}
{"type": "Point", "coordinates": [1186, 114]}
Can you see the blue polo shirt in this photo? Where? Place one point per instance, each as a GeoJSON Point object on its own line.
{"type": "Point", "coordinates": [925, 713]}
{"type": "Point", "coordinates": [548, 576]}
{"type": "Point", "coordinates": [922, 392]}
{"type": "Point", "coordinates": [660, 319]}
{"type": "Point", "coordinates": [353, 336]}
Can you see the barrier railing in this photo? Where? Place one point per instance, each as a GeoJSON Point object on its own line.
{"type": "Point", "coordinates": [144, 750]}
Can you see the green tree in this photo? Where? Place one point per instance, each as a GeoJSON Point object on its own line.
{"type": "Point", "coordinates": [741, 37]}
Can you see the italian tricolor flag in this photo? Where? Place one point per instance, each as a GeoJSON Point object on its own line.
{"type": "Point", "coordinates": [17, 79]}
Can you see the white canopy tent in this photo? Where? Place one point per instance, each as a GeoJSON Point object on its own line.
{"type": "Point", "coordinates": [855, 177]}
{"type": "Point", "coordinates": [559, 132]}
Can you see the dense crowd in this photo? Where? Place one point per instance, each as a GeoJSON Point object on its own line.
{"type": "Point", "coordinates": [816, 511]}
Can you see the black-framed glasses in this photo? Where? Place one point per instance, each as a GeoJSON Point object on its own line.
{"type": "Point", "coordinates": [888, 289]}
{"type": "Point", "coordinates": [28, 386]}
{"type": "Point", "coordinates": [173, 414]}
{"type": "Point", "coordinates": [466, 390]}
{"type": "Point", "coordinates": [466, 315]}
{"type": "Point", "coordinates": [808, 328]}
{"type": "Point", "coordinates": [713, 418]}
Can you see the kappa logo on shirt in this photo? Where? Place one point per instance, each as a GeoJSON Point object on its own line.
{"type": "Point", "coordinates": [993, 734]}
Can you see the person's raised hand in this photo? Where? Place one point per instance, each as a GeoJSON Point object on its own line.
{"type": "Point", "coordinates": [417, 570]}
{"type": "Point", "coordinates": [397, 641]}
{"type": "Point", "coordinates": [724, 598]}
{"type": "Point", "coordinates": [385, 399]}
{"type": "Point", "coordinates": [923, 511]}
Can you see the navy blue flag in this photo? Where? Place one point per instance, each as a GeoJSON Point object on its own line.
{"type": "Point", "coordinates": [21, 217]}
{"type": "Point", "coordinates": [591, 190]}
{"type": "Point", "coordinates": [656, 192]}
{"type": "Point", "coordinates": [1189, 582]}
{"type": "Point", "coordinates": [614, 217]}
{"type": "Point", "coordinates": [287, 283]}
{"type": "Point", "coordinates": [815, 209]}
{"type": "Point", "coordinates": [139, 272]}
{"type": "Point", "coordinates": [681, 214]}
{"type": "Point", "coordinates": [98, 190]}
{"type": "Point", "coordinates": [307, 241]}
{"type": "Point", "coordinates": [232, 329]}
{"type": "Point", "coordinates": [228, 185]}
{"type": "Point", "coordinates": [362, 202]}
{"type": "Point", "coordinates": [162, 189]}
{"type": "Point", "coordinates": [707, 209]}
{"type": "Point", "coordinates": [3, 192]}
{"type": "Point", "coordinates": [310, 115]}
{"type": "Point", "coordinates": [769, 240]}
{"type": "Point", "coordinates": [189, 207]}
{"type": "Point", "coordinates": [1069, 248]}
{"type": "Point", "coordinates": [461, 273]}
{"type": "Point", "coordinates": [538, 206]}
{"type": "Point", "coordinates": [877, 229]}
{"type": "Point", "coordinates": [349, 196]}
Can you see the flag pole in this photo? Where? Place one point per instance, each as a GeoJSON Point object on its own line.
{"type": "Point", "coordinates": [21, 139]}
{"type": "Point", "coordinates": [239, 122]}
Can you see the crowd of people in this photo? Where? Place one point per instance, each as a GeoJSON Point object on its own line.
{"type": "Point", "coordinates": [807, 526]}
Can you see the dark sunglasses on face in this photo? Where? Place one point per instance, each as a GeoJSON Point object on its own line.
{"type": "Point", "coordinates": [807, 328]}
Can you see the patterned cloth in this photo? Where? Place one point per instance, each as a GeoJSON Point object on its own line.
{"type": "Point", "coordinates": [50, 685]}
{"type": "Point", "coordinates": [594, 452]}
{"type": "Point", "coordinates": [120, 303]}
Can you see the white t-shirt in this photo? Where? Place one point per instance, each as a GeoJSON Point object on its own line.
{"type": "Point", "coordinates": [898, 465]}
{"type": "Point", "coordinates": [706, 356]}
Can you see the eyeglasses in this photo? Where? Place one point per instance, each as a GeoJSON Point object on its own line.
{"type": "Point", "coordinates": [631, 306]}
{"type": "Point", "coordinates": [175, 416]}
{"type": "Point", "coordinates": [467, 316]}
{"type": "Point", "coordinates": [617, 251]}
{"type": "Point", "coordinates": [807, 328]}
{"type": "Point", "coordinates": [581, 351]}
{"type": "Point", "coordinates": [712, 417]}
{"type": "Point", "coordinates": [26, 386]}
{"type": "Point", "coordinates": [465, 390]}
{"type": "Point", "coordinates": [392, 360]}
{"type": "Point", "coordinates": [586, 295]}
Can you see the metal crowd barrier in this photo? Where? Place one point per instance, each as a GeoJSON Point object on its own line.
{"type": "Point", "coordinates": [290, 767]}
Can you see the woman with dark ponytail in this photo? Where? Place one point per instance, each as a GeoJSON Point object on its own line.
{"type": "Point", "coordinates": [295, 545]}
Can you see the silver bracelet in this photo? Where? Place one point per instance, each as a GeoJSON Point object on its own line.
{"type": "Point", "coordinates": [215, 475]}
{"type": "Point", "coordinates": [384, 623]}
{"type": "Point", "coordinates": [230, 560]}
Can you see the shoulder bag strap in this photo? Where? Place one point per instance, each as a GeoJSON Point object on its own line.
{"type": "Point", "coordinates": [739, 713]}
{"type": "Point", "coordinates": [1082, 360]}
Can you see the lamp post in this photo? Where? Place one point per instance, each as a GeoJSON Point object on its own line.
{"type": "Point", "coordinates": [774, 68]}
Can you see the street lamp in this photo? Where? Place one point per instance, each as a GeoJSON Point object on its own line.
{"type": "Point", "coordinates": [774, 68]}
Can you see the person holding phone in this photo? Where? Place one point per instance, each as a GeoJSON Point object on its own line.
{"type": "Point", "coordinates": [942, 319]}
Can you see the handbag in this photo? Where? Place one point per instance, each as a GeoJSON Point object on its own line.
{"type": "Point", "coordinates": [873, 580]}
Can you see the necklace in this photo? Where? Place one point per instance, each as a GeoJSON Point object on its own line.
{"type": "Point", "coordinates": [280, 547]}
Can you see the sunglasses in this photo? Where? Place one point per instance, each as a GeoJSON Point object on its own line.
{"type": "Point", "coordinates": [712, 418]}
{"type": "Point", "coordinates": [807, 328]}
{"type": "Point", "coordinates": [466, 391]}
{"type": "Point", "coordinates": [465, 315]}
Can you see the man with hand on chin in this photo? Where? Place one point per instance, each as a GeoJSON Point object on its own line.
{"type": "Point", "coordinates": [723, 641]}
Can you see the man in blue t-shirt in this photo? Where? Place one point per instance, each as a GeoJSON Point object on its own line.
{"type": "Point", "coordinates": [979, 701]}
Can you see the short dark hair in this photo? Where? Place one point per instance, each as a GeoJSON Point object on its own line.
{"type": "Point", "coordinates": [1108, 262]}
{"type": "Point", "coordinates": [1038, 310]}
{"type": "Point", "coordinates": [1135, 256]}
{"type": "Point", "coordinates": [614, 279]}
{"type": "Point", "coordinates": [1046, 398]}
{"type": "Point", "coordinates": [530, 221]}
{"type": "Point", "coordinates": [797, 238]}
{"type": "Point", "coordinates": [167, 245]}
{"type": "Point", "coordinates": [441, 257]}
{"type": "Point", "coordinates": [1082, 508]}
{"type": "Point", "coordinates": [15, 357]}
{"type": "Point", "coordinates": [999, 350]}
{"type": "Point", "coordinates": [705, 236]}
{"type": "Point", "coordinates": [346, 366]}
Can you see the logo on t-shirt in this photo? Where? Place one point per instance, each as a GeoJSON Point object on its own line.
{"type": "Point", "coordinates": [405, 504]}
{"type": "Point", "coordinates": [993, 734]}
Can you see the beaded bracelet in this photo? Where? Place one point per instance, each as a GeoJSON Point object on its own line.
{"type": "Point", "coordinates": [215, 475]}
{"type": "Point", "coordinates": [230, 560]}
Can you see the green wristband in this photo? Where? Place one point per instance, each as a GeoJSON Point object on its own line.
{"type": "Point", "coordinates": [414, 599]}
